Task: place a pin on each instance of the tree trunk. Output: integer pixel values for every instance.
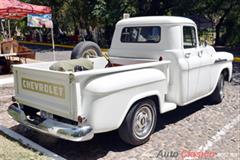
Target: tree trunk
(218, 40)
(108, 34)
(155, 7)
(220, 24)
(141, 7)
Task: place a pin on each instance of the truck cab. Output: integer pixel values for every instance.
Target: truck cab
(193, 74)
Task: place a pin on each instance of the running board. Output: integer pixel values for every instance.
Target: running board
(168, 107)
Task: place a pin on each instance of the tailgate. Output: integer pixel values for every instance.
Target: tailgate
(45, 90)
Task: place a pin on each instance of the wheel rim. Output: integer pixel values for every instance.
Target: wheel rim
(89, 53)
(221, 88)
(143, 122)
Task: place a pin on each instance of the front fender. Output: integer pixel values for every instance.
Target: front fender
(223, 60)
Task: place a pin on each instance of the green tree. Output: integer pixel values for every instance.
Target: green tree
(72, 15)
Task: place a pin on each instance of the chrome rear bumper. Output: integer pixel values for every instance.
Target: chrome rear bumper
(53, 127)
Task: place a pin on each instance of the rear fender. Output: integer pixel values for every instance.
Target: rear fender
(111, 97)
(123, 80)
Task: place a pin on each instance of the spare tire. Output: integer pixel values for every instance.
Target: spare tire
(86, 49)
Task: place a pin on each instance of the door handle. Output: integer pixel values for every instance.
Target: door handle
(187, 55)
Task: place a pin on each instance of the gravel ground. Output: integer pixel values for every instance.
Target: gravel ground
(185, 129)
(191, 128)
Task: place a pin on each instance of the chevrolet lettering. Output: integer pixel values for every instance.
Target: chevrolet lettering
(43, 87)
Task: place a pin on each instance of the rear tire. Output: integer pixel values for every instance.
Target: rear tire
(218, 94)
(86, 49)
(139, 123)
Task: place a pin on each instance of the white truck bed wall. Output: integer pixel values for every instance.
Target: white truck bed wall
(60, 93)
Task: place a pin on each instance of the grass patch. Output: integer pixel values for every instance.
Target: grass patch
(13, 150)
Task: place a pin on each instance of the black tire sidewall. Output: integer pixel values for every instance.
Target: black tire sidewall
(216, 96)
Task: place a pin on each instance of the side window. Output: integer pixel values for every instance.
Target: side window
(149, 34)
(189, 37)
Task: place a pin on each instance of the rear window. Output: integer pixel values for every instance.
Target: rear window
(189, 37)
(148, 34)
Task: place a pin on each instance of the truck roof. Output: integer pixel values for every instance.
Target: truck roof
(155, 20)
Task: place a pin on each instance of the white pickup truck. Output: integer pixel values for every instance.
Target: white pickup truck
(154, 65)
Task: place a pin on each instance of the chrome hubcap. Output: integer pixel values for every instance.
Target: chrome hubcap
(89, 53)
(143, 122)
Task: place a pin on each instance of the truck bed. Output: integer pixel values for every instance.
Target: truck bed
(60, 92)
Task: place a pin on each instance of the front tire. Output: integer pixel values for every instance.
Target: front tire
(139, 123)
(218, 94)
